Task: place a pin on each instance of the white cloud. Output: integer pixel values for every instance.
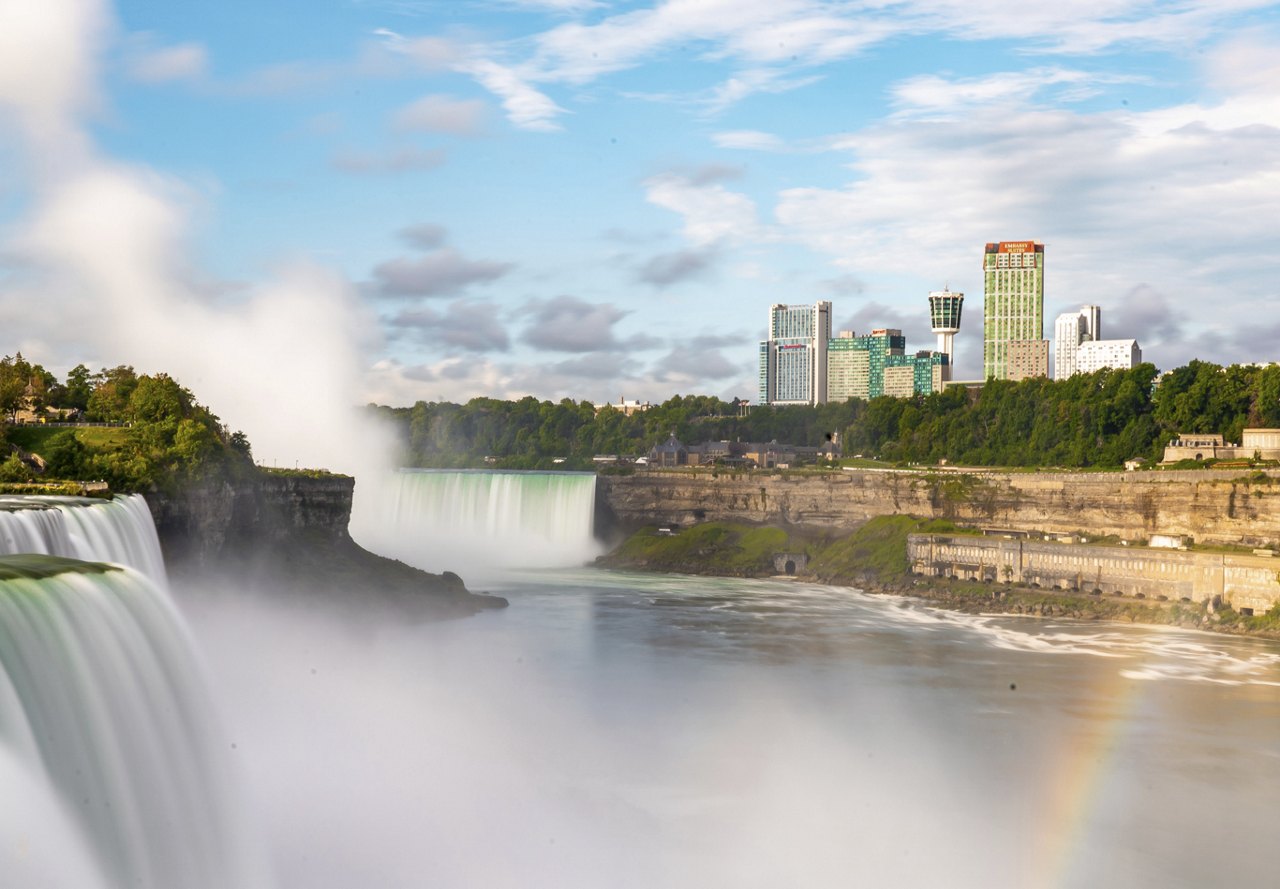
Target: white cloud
(712, 213)
(405, 159)
(526, 107)
(184, 61)
(932, 93)
(749, 83)
(748, 140)
(773, 43)
(1079, 28)
(442, 114)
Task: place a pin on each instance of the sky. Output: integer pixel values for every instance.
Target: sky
(301, 203)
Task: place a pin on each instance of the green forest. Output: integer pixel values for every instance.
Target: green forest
(1094, 420)
(151, 431)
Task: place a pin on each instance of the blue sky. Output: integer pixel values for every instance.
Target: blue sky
(396, 200)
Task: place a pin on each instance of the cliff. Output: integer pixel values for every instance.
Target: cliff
(1211, 507)
(288, 533)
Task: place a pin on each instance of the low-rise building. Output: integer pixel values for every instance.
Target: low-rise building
(1255, 444)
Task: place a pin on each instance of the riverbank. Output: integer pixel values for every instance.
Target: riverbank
(874, 559)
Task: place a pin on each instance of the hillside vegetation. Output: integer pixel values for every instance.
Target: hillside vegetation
(159, 435)
(1090, 420)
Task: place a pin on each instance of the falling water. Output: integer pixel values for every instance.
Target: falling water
(112, 768)
(467, 520)
(119, 531)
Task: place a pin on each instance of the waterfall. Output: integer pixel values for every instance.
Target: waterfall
(119, 531)
(469, 521)
(112, 768)
(106, 731)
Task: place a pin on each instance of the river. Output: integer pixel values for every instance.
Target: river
(627, 730)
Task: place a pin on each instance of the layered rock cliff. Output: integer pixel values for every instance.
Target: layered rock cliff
(1213, 507)
(288, 533)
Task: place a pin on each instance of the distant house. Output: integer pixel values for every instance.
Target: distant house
(30, 411)
(669, 453)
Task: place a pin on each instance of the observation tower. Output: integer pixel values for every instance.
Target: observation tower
(944, 312)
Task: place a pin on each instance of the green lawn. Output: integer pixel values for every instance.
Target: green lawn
(95, 438)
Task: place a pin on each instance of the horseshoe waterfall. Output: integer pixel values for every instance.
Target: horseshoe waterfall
(112, 768)
(431, 517)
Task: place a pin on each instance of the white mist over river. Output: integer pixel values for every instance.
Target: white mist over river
(656, 731)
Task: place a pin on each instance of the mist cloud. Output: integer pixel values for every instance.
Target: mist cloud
(103, 251)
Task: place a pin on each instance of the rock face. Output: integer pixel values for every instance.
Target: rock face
(1214, 507)
(205, 525)
(289, 533)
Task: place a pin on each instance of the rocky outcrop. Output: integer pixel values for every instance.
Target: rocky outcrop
(1213, 507)
(288, 533)
(206, 524)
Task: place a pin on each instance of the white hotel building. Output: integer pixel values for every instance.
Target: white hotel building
(1123, 354)
(1078, 346)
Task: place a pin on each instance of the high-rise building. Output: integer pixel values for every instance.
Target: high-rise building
(1119, 354)
(944, 315)
(856, 364)
(877, 364)
(793, 361)
(1012, 303)
(1092, 316)
(1069, 331)
(1068, 334)
(1078, 346)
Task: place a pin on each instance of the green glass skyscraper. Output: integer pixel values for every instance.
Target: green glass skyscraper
(1012, 301)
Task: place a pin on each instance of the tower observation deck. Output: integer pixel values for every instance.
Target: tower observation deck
(944, 313)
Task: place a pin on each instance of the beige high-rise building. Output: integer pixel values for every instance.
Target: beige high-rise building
(1012, 302)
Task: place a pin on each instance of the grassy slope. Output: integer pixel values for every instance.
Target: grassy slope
(711, 548)
(95, 438)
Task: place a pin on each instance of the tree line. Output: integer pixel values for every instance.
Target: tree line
(164, 435)
(1088, 420)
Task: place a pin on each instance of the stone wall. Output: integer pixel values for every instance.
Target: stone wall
(1244, 581)
(1216, 507)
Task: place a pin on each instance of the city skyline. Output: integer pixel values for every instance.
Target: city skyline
(393, 201)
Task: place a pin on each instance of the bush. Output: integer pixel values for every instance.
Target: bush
(14, 470)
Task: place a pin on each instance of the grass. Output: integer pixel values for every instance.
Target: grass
(300, 473)
(712, 548)
(95, 438)
(877, 548)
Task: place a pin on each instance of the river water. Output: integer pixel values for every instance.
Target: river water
(622, 730)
